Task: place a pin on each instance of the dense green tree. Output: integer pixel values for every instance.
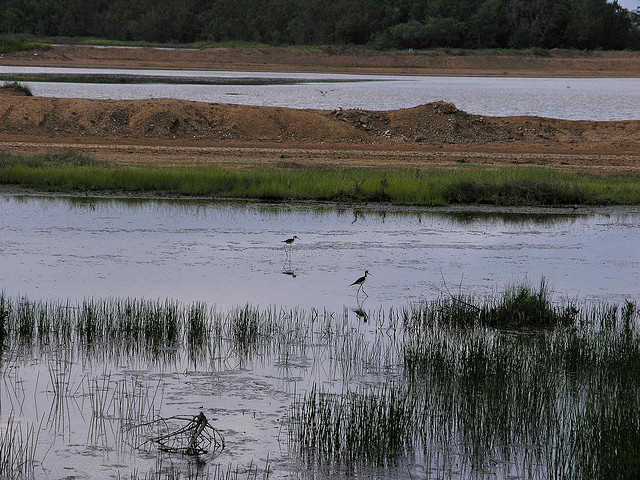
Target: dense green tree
(588, 24)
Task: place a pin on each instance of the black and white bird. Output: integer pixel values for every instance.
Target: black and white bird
(360, 282)
(289, 241)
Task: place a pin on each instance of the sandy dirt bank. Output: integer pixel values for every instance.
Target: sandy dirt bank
(177, 132)
(344, 60)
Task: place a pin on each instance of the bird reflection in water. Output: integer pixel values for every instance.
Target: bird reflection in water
(287, 267)
(360, 312)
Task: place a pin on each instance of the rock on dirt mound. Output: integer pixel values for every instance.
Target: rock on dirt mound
(438, 122)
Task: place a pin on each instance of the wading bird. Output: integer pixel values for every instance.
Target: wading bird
(360, 283)
(289, 241)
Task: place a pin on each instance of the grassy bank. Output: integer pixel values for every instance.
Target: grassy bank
(71, 172)
(8, 45)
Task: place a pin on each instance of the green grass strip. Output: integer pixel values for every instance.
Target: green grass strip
(8, 45)
(71, 172)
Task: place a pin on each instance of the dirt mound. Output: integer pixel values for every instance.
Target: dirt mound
(434, 123)
(168, 119)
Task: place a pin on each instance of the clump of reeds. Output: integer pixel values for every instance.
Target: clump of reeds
(376, 425)
(245, 328)
(17, 450)
(198, 334)
(518, 307)
(566, 392)
(4, 314)
(554, 402)
(522, 306)
(157, 330)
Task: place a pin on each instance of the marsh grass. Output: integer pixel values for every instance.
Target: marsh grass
(519, 307)
(4, 314)
(514, 385)
(522, 306)
(154, 330)
(566, 394)
(555, 402)
(511, 385)
(509, 186)
(373, 426)
(18, 444)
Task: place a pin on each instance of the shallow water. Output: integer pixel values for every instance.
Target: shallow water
(568, 98)
(230, 254)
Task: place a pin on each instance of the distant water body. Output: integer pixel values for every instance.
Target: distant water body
(567, 98)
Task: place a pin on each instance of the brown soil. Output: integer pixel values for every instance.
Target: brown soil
(429, 62)
(434, 123)
(163, 132)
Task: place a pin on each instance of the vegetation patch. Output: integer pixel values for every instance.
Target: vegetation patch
(523, 306)
(559, 402)
(8, 45)
(72, 172)
(518, 307)
(372, 426)
(16, 88)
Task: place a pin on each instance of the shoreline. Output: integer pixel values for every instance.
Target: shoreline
(499, 63)
(9, 190)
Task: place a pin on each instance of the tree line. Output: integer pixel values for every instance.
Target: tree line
(583, 24)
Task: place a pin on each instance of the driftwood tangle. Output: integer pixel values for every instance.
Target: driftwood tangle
(197, 437)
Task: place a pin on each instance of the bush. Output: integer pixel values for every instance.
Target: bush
(17, 88)
(8, 45)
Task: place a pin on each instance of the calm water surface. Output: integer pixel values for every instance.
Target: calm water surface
(568, 98)
(230, 254)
